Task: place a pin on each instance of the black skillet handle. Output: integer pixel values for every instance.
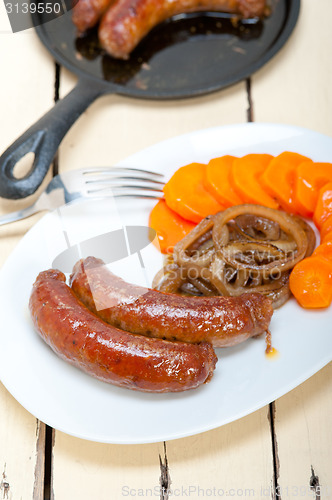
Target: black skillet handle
(43, 139)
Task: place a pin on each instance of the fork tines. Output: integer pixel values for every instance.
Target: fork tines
(103, 180)
(121, 170)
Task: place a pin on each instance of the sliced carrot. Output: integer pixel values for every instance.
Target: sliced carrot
(326, 227)
(245, 178)
(324, 250)
(187, 196)
(169, 226)
(311, 282)
(327, 238)
(217, 181)
(311, 177)
(324, 205)
(279, 178)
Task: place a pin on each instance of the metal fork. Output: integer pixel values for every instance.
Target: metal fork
(92, 183)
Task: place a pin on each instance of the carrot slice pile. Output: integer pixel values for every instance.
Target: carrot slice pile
(324, 205)
(310, 178)
(217, 181)
(187, 196)
(245, 177)
(326, 228)
(279, 178)
(311, 282)
(169, 226)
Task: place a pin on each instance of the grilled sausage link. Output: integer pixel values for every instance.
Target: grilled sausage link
(223, 321)
(86, 13)
(126, 22)
(110, 354)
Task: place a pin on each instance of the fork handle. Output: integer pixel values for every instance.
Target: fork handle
(20, 214)
(43, 139)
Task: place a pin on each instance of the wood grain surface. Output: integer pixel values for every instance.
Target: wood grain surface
(27, 90)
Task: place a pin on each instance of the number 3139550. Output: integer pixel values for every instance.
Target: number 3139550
(32, 8)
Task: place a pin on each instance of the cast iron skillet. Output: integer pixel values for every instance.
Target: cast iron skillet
(188, 56)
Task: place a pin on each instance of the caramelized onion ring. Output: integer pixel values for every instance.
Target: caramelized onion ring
(203, 286)
(258, 228)
(311, 238)
(287, 224)
(252, 256)
(276, 289)
(170, 278)
(187, 254)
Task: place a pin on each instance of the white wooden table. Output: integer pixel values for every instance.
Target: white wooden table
(283, 450)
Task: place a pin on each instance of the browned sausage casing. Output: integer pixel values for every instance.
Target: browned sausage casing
(223, 321)
(126, 22)
(86, 13)
(110, 354)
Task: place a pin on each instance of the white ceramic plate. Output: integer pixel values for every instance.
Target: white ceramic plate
(245, 379)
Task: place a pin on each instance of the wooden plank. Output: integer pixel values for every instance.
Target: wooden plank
(27, 92)
(83, 469)
(295, 86)
(234, 460)
(27, 88)
(304, 439)
(204, 465)
(21, 451)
